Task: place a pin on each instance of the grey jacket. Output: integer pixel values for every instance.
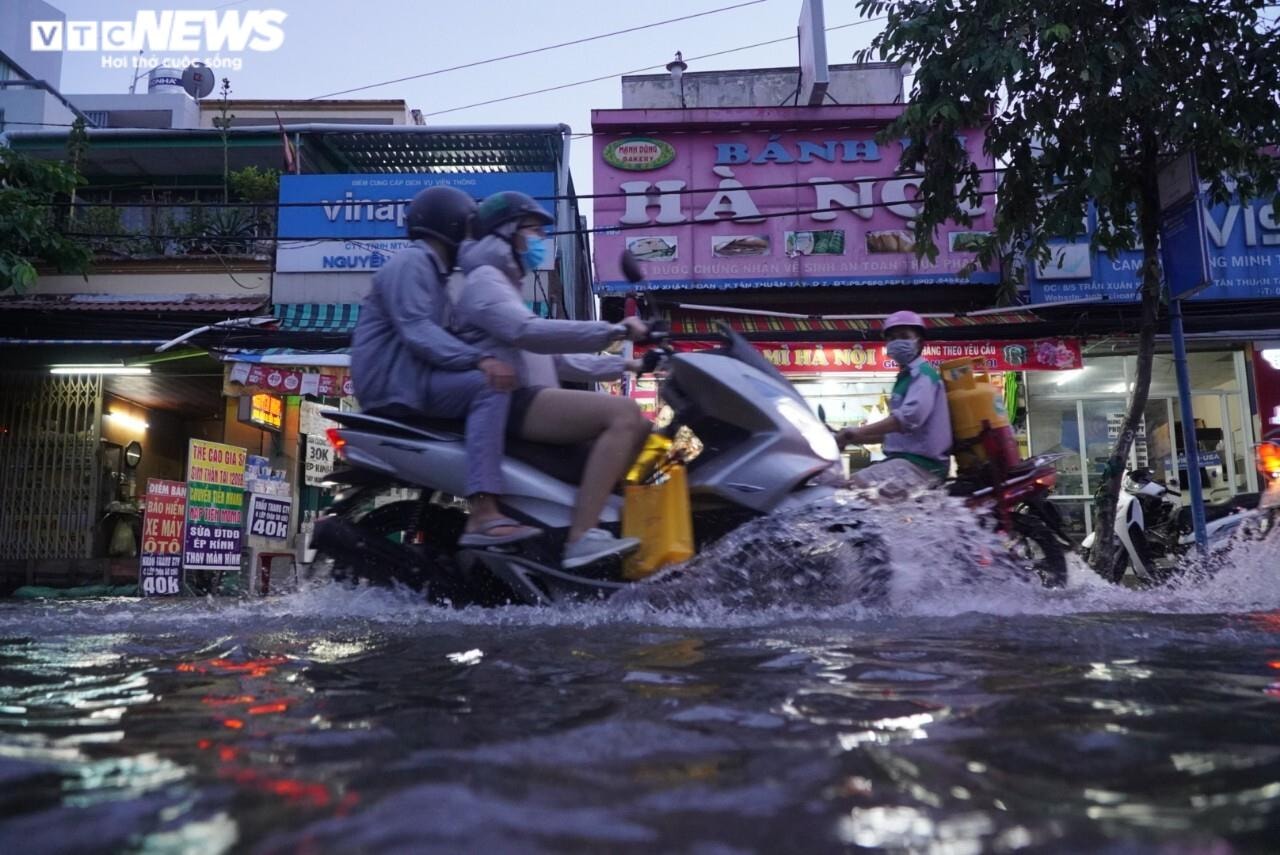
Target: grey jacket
(919, 402)
(401, 336)
(490, 314)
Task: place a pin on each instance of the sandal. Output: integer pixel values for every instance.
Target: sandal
(481, 538)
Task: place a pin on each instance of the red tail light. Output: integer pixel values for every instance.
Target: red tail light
(336, 441)
(1269, 459)
(1048, 481)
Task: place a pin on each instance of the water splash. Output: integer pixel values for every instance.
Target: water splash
(845, 558)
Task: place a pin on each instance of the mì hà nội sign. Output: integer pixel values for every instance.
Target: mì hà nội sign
(789, 357)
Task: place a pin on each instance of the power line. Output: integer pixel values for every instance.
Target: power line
(597, 230)
(639, 70)
(686, 191)
(538, 50)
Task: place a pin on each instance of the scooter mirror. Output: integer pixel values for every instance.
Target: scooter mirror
(631, 267)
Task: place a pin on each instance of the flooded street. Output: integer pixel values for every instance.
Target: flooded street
(340, 720)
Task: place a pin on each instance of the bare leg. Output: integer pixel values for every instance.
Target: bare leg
(569, 417)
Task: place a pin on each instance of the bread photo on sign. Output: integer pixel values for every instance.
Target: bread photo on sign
(729, 246)
(893, 240)
(653, 248)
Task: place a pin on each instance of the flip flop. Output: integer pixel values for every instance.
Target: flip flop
(480, 539)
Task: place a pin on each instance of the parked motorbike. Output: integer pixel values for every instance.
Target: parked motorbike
(762, 452)
(1156, 531)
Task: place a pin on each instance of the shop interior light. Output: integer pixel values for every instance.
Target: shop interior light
(1064, 377)
(127, 421)
(99, 368)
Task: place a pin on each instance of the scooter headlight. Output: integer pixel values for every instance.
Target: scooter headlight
(820, 440)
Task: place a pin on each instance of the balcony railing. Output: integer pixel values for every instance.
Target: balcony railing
(149, 230)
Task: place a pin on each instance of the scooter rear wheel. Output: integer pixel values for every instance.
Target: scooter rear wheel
(1036, 542)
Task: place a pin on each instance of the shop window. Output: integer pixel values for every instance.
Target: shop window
(1054, 426)
(1209, 371)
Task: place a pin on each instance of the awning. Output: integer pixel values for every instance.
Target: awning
(133, 303)
(318, 317)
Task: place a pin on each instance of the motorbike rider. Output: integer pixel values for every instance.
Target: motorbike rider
(491, 314)
(405, 362)
(916, 436)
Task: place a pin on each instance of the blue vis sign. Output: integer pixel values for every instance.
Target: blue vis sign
(1243, 243)
(354, 223)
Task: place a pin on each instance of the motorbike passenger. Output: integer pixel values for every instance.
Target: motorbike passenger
(405, 362)
(916, 436)
(492, 316)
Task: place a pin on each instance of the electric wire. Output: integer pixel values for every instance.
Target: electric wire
(80, 203)
(532, 51)
(639, 70)
(595, 230)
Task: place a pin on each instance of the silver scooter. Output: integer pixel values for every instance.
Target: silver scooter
(762, 451)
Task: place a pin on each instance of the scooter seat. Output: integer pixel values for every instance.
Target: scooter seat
(562, 462)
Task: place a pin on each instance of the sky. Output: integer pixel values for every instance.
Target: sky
(333, 45)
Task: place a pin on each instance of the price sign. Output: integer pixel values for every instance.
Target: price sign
(319, 460)
(269, 516)
(160, 563)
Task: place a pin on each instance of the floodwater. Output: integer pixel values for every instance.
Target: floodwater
(955, 711)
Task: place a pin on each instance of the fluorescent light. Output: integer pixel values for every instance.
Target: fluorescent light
(127, 421)
(1064, 377)
(98, 368)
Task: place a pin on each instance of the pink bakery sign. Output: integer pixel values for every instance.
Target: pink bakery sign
(767, 198)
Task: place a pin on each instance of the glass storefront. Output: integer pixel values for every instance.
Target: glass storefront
(1079, 413)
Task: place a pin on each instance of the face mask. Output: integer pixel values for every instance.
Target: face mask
(535, 254)
(901, 351)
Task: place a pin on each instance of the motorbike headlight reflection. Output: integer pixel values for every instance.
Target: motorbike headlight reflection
(820, 440)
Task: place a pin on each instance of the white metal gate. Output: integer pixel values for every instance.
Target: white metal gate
(49, 464)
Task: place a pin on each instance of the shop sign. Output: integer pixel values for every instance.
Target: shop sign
(269, 516)
(1047, 354)
(638, 154)
(310, 420)
(215, 505)
(262, 410)
(288, 380)
(372, 207)
(163, 515)
(319, 462)
(1243, 243)
(767, 209)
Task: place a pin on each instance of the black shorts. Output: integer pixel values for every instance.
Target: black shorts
(521, 400)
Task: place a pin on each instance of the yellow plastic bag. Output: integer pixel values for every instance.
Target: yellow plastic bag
(659, 515)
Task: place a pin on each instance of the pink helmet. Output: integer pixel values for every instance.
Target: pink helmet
(904, 318)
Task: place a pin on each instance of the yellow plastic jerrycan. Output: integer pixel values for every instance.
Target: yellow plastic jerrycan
(659, 515)
(980, 428)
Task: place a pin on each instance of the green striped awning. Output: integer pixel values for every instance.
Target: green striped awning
(318, 317)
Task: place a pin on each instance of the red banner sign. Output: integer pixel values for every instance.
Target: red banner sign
(288, 380)
(163, 521)
(1047, 354)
